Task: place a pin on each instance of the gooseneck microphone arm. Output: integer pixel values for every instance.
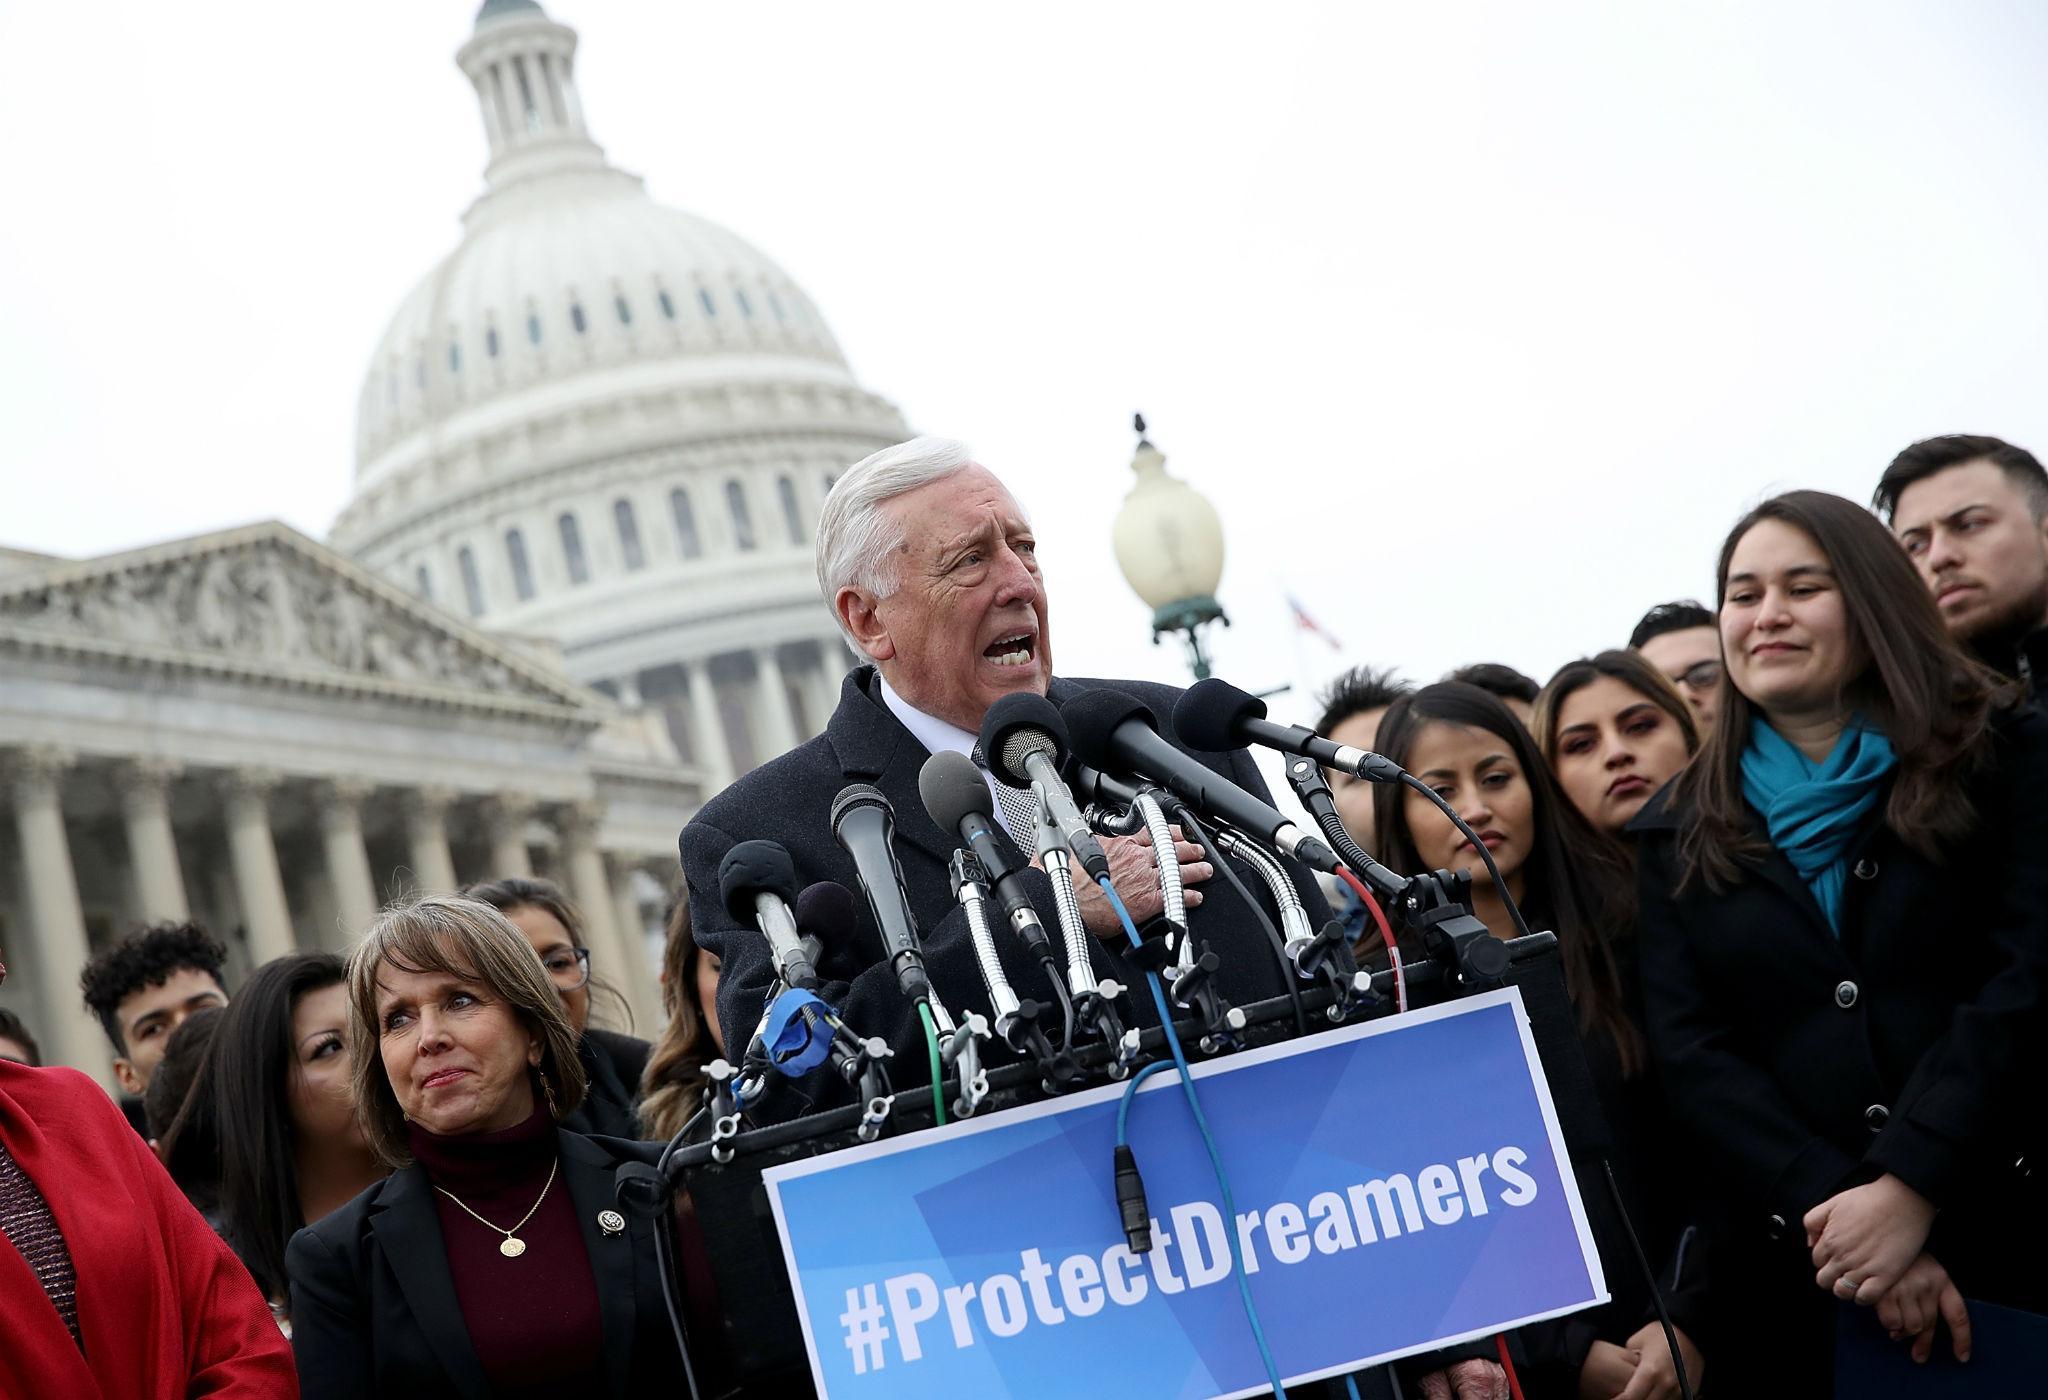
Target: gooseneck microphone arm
(1094, 1000)
(1016, 1017)
(1305, 776)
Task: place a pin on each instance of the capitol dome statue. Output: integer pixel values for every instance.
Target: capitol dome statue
(609, 425)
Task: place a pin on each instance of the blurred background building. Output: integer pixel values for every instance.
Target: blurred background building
(571, 596)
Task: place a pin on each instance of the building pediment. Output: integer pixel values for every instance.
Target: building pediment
(270, 605)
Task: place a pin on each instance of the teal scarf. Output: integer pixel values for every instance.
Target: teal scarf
(1812, 811)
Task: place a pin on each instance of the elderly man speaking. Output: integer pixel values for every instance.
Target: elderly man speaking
(931, 569)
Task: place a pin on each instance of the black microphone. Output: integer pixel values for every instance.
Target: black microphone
(1213, 715)
(826, 917)
(1111, 730)
(1025, 740)
(757, 881)
(957, 797)
(865, 824)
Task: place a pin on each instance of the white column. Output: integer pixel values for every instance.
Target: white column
(629, 690)
(624, 964)
(426, 834)
(340, 802)
(778, 725)
(144, 785)
(707, 730)
(626, 909)
(56, 950)
(259, 887)
(505, 819)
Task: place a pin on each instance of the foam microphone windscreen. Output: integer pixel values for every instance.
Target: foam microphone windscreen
(1093, 715)
(1208, 712)
(751, 868)
(1015, 724)
(827, 912)
(952, 787)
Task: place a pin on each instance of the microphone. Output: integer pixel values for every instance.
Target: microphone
(1026, 743)
(826, 917)
(757, 881)
(1213, 715)
(864, 823)
(1111, 730)
(958, 799)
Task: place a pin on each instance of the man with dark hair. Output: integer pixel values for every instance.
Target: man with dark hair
(1515, 690)
(1972, 513)
(1352, 709)
(1683, 640)
(16, 1043)
(144, 987)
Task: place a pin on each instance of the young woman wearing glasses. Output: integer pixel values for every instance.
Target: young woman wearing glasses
(613, 1062)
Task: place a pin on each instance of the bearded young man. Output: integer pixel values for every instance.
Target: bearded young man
(1972, 513)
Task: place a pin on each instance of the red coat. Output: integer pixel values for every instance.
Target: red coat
(165, 1309)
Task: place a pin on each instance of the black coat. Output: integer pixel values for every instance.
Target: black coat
(789, 801)
(374, 1311)
(1803, 1063)
(613, 1064)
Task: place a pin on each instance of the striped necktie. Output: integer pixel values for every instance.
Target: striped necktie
(1019, 808)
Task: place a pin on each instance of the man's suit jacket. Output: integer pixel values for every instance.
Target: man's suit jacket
(374, 1309)
(789, 801)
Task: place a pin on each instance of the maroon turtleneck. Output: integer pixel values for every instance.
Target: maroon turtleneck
(534, 1321)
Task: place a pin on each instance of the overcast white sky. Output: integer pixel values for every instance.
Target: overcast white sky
(1478, 323)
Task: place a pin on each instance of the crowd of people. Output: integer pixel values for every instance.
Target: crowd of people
(1786, 843)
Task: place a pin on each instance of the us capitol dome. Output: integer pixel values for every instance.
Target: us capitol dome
(609, 425)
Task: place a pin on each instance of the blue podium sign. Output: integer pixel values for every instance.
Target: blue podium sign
(1398, 1185)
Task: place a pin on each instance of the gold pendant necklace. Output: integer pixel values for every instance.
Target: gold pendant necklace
(511, 1246)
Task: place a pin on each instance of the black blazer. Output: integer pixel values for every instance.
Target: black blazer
(374, 1311)
(789, 800)
(1803, 1063)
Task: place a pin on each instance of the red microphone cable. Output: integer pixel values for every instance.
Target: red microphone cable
(1379, 916)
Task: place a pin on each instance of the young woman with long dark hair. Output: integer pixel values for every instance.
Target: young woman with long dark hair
(291, 1150)
(1570, 878)
(1845, 936)
(1615, 731)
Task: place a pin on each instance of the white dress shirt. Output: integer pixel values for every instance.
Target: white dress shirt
(937, 735)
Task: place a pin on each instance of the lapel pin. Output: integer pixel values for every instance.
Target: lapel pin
(611, 1222)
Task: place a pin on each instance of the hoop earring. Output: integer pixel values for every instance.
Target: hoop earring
(548, 1092)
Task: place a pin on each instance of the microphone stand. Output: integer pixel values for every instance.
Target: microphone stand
(1193, 966)
(960, 1048)
(1017, 1018)
(1323, 956)
(1094, 999)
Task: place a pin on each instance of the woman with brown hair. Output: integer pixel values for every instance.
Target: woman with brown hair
(494, 1259)
(1567, 877)
(672, 1089)
(1614, 731)
(613, 1062)
(1845, 941)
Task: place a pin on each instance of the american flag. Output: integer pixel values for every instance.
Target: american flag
(1305, 623)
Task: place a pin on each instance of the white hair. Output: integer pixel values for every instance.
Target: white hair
(856, 537)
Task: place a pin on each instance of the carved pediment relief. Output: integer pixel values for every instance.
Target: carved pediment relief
(272, 600)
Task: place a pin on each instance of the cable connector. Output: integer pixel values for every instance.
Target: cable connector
(1130, 1201)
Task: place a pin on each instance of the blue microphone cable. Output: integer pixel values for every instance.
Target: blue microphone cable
(1187, 1084)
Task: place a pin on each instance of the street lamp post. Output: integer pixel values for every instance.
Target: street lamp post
(1169, 544)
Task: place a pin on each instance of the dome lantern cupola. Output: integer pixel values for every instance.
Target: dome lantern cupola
(522, 65)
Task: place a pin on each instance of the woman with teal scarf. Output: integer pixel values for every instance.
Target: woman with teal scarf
(1845, 948)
